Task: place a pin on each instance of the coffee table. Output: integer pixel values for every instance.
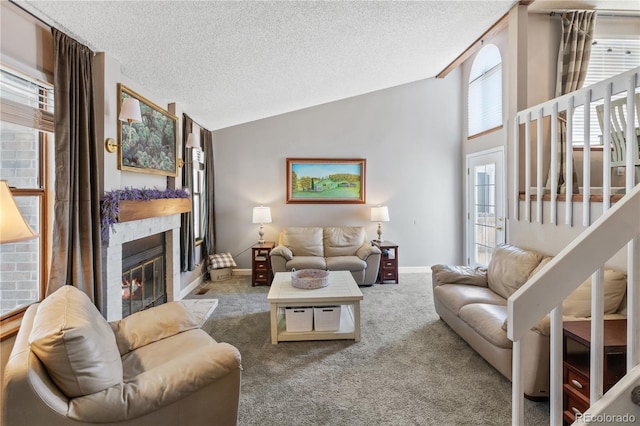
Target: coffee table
(342, 290)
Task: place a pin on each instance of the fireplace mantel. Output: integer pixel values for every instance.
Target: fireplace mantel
(140, 209)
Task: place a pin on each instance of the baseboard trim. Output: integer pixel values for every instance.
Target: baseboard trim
(414, 269)
(401, 269)
(192, 286)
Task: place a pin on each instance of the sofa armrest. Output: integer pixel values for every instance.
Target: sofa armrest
(151, 325)
(158, 387)
(367, 250)
(282, 251)
(448, 274)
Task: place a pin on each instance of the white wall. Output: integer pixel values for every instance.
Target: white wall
(410, 136)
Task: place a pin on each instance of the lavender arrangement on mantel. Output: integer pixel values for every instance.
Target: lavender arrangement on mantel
(110, 208)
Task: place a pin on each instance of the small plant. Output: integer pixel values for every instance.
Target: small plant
(110, 208)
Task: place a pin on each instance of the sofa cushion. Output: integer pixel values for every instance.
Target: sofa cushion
(343, 240)
(578, 303)
(283, 251)
(306, 262)
(151, 325)
(75, 343)
(509, 268)
(487, 320)
(447, 274)
(455, 296)
(345, 263)
(303, 241)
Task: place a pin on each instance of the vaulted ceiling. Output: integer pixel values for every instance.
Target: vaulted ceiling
(230, 62)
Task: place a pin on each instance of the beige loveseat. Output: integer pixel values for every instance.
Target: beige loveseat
(156, 367)
(334, 248)
(473, 302)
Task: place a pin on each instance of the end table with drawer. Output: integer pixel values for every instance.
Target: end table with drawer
(261, 263)
(388, 261)
(576, 371)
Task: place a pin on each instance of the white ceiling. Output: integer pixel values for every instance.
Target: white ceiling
(228, 63)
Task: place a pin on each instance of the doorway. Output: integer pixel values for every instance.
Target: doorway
(485, 226)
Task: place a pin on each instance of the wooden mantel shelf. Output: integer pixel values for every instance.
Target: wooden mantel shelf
(139, 209)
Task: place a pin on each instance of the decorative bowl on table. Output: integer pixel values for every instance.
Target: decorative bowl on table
(309, 278)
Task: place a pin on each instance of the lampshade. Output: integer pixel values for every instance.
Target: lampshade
(13, 227)
(130, 111)
(261, 214)
(191, 140)
(379, 214)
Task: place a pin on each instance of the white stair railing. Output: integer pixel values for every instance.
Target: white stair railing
(627, 84)
(585, 256)
(544, 293)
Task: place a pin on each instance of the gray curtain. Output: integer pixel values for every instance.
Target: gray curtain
(573, 61)
(76, 233)
(209, 216)
(187, 235)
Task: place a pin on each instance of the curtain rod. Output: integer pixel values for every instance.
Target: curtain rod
(31, 14)
(599, 13)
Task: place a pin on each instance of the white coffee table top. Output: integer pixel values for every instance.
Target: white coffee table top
(342, 288)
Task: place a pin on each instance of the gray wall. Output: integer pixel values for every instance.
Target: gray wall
(410, 136)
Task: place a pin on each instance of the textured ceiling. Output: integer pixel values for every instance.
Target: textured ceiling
(228, 63)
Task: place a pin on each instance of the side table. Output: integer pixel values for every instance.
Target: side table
(388, 261)
(575, 368)
(261, 264)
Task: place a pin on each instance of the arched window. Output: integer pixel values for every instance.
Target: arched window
(485, 91)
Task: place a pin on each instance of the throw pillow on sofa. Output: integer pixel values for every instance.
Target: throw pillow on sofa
(452, 274)
(578, 303)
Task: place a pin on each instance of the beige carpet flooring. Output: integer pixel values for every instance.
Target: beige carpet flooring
(409, 368)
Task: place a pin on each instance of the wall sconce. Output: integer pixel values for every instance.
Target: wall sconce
(261, 215)
(13, 227)
(190, 145)
(129, 112)
(379, 214)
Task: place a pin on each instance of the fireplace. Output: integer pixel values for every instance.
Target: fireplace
(119, 257)
(143, 274)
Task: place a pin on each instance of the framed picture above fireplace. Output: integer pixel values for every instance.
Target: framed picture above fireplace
(326, 180)
(149, 146)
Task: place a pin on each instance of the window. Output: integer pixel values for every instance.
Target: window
(198, 194)
(26, 132)
(485, 91)
(609, 57)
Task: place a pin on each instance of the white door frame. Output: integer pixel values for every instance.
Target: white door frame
(501, 200)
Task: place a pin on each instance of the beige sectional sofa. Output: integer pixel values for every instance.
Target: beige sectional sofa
(333, 248)
(473, 302)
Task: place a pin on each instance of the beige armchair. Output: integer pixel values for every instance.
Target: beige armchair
(69, 367)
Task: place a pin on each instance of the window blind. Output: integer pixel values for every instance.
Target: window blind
(609, 57)
(26, 102)
(485, 101)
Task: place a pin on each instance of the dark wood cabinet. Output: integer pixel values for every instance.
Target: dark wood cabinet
(388, 270)
(261, 264)
(576, 347)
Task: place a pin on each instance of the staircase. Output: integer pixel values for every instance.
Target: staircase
(618, 227)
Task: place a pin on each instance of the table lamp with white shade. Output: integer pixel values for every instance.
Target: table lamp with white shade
(261, 215)
(379, 214)
(13, 227)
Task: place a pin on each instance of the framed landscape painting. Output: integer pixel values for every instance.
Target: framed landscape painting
(326, 180)
(150, 146)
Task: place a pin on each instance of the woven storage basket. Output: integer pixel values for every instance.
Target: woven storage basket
(309, 278)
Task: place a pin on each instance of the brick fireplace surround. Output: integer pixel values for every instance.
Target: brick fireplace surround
(112, 257)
